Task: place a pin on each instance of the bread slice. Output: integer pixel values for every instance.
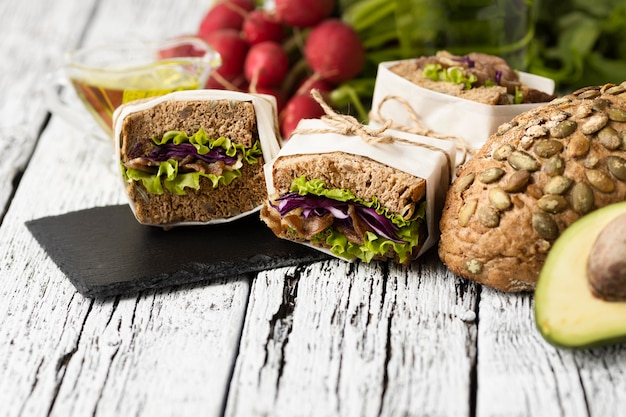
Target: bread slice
(541, 172)
(495, 82)
(398, 192)
(232, 119)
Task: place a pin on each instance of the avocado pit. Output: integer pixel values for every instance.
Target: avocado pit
(606, 267)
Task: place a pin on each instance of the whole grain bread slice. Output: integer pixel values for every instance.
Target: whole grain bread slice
(396, 190)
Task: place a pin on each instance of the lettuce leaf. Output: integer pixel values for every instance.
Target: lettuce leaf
(454, 75)
(374, 245)
(167, 177)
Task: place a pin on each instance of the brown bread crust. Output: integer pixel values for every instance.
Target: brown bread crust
(498, 231)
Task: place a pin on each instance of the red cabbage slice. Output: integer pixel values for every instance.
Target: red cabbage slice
(169, 150)
(312, 205)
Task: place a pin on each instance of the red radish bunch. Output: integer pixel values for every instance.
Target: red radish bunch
(285, 52)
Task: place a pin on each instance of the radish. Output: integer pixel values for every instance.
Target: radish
(313, 82)
(260, 26)
(334, 51)
(233, 50)
(273, 91)
(182, 50)
(301, 106)
(303, 13)
(227, 14)
(266, 64)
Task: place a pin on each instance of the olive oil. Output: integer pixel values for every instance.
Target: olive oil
(102, 94)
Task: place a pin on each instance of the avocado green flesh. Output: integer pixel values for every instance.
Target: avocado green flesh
(566, 312)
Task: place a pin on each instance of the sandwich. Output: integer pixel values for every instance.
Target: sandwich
(195, 157)
(541, 172)
(355, 200)
(479, 77)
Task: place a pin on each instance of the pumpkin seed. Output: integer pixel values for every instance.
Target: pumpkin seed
(499, 198)
(589, 94)
(546, 148)
(474, 266)
(609, 138)
(523, 160)
(554, 166)
(517, 181)
(552, 203)
(557, 185)
(563, 129)
(464, 182)
(536, 131)
(600, 104)
(534, 191)
(488, 216)
(591, 161)
(491, 175)
(599, 180)
(585, 89)
(615, 90)
(466, 212)
(582, 198)
(505, 127)
(503, 152)
(582, 111)
(616, 114)
(594, 123)
(617, 167)
(559, 117)
(560, 100)
(578, 146)
(545, 226)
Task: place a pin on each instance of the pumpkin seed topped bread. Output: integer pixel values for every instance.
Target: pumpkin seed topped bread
(531, 180)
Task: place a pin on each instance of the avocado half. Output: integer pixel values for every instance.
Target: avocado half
(567, 314)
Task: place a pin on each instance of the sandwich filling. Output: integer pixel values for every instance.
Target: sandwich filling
(347, 225)
(176, 161)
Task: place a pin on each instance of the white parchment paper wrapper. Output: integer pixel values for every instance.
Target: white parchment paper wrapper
(445, 114)
(266, 118)
(428, 164)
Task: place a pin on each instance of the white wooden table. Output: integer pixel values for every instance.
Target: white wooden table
(327, 339)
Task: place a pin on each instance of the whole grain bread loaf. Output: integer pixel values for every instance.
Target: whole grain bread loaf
(399, 192)
(232, 119)
(529, 182)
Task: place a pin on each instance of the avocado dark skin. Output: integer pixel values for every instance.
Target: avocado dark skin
(568, 312)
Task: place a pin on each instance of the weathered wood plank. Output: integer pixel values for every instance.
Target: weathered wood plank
(520, 374)
(166, 352)
(336, 338)
(33, 38)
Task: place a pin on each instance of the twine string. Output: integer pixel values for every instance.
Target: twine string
(348, 125)
(417, 127)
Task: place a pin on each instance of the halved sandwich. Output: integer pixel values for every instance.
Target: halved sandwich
(346, 197)
(196, 157)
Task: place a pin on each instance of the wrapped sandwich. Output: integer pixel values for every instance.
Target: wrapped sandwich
(196, 157)
(358, 199)
(466, 97)
(541, 172)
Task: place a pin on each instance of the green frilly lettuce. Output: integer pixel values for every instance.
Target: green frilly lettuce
(452, 74)
(169, 178)
(373, 245)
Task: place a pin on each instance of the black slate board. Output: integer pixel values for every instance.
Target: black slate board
(105, 252)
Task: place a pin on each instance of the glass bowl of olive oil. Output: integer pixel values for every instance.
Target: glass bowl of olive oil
(103, 77)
